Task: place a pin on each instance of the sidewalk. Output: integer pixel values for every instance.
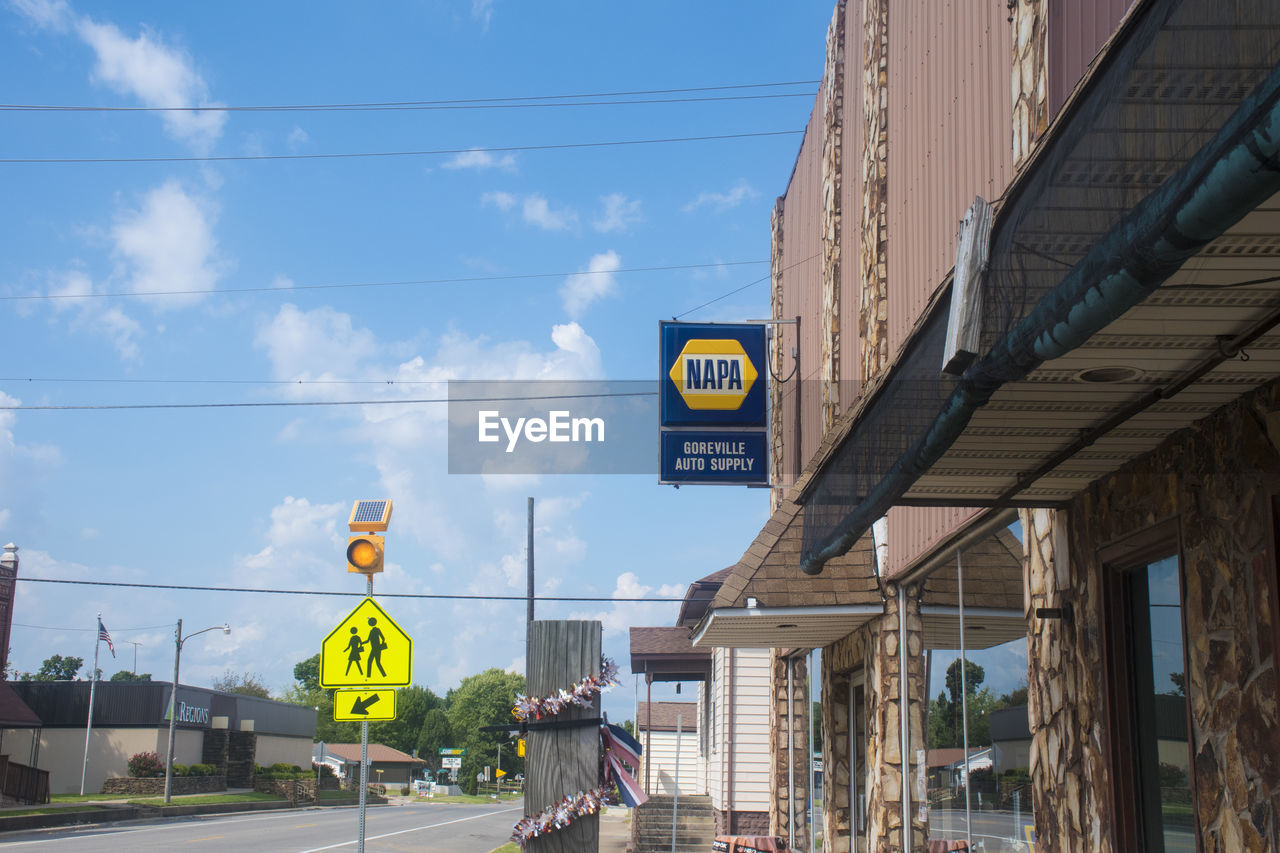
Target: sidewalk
(615, 829)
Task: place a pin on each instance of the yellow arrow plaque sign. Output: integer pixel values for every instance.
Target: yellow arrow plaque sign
(364, 705)
(367, 649)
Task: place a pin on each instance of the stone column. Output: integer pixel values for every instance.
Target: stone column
(1065, 696)
(884, 750)
(783, 735)
(778, 357)
(873, 311)
(1030, 76)
(832, 177)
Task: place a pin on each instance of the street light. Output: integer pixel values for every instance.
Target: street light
(173, 700)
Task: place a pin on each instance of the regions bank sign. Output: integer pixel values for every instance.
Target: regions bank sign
(712, 403)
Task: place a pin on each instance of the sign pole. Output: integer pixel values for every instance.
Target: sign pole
(364, 752)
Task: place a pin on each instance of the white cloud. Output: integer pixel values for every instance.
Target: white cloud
(479, 159)
(94, 315)
(625, 614)
(297, 138)
(482, 11)
(720, 202)
(597, 281)
(500, 200)
(619, 213)
(538, 211)
(316, 344)
(51, 14)
(169, 246)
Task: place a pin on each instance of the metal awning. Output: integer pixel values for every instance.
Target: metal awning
(782, 627)
(1134, 340)
(984, 627)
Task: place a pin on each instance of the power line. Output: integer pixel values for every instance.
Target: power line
(404, 283)
(119, 631)
(740, 289)
(416, 595)
(227, 158)
(269, 404)
(434, 104)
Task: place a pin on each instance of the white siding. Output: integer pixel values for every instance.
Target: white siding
(749, 715)
(663, 778)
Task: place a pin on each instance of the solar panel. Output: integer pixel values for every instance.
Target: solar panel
(370, 516)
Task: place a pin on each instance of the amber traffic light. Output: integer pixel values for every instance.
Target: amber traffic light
(364, 554)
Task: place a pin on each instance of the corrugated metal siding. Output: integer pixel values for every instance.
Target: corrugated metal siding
(802, 287)
(1077, 31)
(950, 137)
(851, 206)
(913, 530)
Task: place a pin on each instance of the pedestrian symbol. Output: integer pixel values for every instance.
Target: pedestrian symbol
(367, 649)
(364, 704)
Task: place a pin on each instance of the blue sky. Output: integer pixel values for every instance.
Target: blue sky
(258, 497)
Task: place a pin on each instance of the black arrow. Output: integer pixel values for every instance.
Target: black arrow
(361, 706)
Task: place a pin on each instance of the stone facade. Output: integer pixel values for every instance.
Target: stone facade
(242, 747)
(840, 661)
(1030, 76)
(789, 733)
(129, 786)
(778, 355)
(1217, 482)
(832, 178)
(294, 790)
(873, 311)
(741, 823)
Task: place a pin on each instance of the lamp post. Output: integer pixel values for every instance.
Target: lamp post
(173, 700)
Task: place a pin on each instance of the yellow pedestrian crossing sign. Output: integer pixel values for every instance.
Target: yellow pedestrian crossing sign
(367, 649)
(364, 705)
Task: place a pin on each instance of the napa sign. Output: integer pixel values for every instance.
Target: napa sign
(712, 404)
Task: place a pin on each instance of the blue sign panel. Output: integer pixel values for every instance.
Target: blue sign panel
(715, 457)
(712, 375)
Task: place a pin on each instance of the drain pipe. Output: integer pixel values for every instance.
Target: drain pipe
(1225, 180)
(791, 760)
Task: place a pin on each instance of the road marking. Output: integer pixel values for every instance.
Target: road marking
(412, 829)
(206, 838)
(304, 825)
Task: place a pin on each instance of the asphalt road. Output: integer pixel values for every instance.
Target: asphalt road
(427, 828)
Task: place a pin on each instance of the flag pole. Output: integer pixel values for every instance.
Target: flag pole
(93, 683)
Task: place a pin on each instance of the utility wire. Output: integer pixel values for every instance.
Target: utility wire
(406, 107)
(418, 595)
(341, 286)
(294, 403)
(385, 105)
(744, 287)
(226, 158)
(119, 631)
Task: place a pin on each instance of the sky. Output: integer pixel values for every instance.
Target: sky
(169, 269)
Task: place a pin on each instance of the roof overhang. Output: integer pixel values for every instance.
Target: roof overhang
(1134, 260)
(782, 627)
(984, 627)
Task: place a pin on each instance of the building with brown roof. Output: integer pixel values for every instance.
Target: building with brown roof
(1031, 463)
(387, 766)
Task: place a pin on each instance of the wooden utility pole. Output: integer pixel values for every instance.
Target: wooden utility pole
(563, 761)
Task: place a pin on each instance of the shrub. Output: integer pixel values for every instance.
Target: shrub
(404, 790)
(377, 788)
(181, 770)
(145, 765)
(202, 770)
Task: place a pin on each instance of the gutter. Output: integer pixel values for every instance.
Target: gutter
(1229, 177)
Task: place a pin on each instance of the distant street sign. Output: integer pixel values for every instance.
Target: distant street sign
(366, 649)
(364, 705)
(453, 762)
(453, 750)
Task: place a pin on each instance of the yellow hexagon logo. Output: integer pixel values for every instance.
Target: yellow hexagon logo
(713, 374)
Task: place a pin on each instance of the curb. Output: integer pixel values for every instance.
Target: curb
(120, 813)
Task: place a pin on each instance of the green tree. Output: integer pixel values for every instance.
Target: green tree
(57, 668)
(434, 734)
(945, 719)
(307, 673)
(246, 684)
(412, 705)
(485, 699)
(126, 675)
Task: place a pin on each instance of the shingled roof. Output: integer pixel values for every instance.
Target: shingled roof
(664, 653)
(664, 716)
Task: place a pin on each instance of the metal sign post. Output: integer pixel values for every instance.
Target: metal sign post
(364, 757)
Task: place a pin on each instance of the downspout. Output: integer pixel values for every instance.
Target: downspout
(1226, 179)
(728, 732)
(791, 760)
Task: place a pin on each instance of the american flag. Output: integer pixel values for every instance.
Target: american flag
(103, 635)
